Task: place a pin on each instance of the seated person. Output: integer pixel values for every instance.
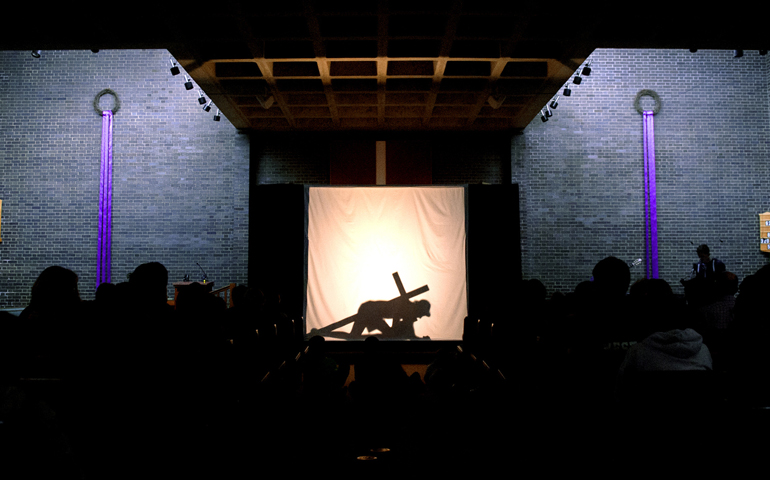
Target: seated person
(672, 345)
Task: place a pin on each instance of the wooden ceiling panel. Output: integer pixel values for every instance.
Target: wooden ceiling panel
(381, 65)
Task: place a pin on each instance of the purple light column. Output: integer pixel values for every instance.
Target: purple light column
(650, 196)
(104, 254)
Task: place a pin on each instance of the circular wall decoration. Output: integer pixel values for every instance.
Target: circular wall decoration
(98, 97)
(647, 93)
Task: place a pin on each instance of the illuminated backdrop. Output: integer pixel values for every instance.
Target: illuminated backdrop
(359, 236)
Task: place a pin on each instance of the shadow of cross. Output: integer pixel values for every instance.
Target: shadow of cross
(403, 296)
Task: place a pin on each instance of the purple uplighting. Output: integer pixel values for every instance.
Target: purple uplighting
(650, 197)
(104, 255)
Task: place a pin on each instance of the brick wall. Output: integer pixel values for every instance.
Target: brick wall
(581, 172)
(181, 189)
(180, 179)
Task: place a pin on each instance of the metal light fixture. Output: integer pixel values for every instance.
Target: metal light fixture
(217, 117)
(207, 107)
(174, 68)
(577, 79)
(555, 102)
(738, 54)
(201, 98)
(543, 116)
(548, 112)
(567, 92)
(188, 83)
(587, 69)
(763, 52)
(37, 53)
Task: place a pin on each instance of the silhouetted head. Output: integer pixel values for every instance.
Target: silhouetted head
(106, 293)
(371, 344)
(703, 252)
(750, 305)
(612, 276)
(422, 308)
(151, 281)
(56, 287)
(726, 283)
(239, 294)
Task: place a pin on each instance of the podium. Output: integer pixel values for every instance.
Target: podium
(178, 286)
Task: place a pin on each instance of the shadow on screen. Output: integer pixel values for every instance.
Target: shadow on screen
(371, 317)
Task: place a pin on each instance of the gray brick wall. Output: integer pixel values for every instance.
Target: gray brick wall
(180, 179)
(581, 172)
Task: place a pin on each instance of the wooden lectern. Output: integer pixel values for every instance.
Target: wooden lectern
(208, 286)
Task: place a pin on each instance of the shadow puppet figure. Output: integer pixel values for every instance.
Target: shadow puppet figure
(371, 316)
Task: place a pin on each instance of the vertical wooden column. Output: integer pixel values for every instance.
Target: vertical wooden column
(381, 162)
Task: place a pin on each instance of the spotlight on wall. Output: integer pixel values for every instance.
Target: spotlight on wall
(567, 92)
(555, 102)
(201, 98)
(37, 53)
(763, 52)
(543, 116)
(496, 101)
(587, 69)
(693, 50)
(217, 117)
(95, 50)
(207, 107)
(188, 83)
(738, 54)
(266, 101)
(548, 112)
(174, 68)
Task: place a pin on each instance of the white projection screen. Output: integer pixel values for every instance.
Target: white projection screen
(363, 241)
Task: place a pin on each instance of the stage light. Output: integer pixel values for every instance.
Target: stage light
(738, 54)
(201, 98)
(548, 112)
(543, 116)
(555, 102)
(266, 101)
(567, 91)
(577, 79)
(36, 53)
(217, 117)
(587, 69)
(188, 83)
(207, 107)
(174, 68)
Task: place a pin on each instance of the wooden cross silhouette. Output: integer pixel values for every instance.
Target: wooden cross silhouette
(403, 295)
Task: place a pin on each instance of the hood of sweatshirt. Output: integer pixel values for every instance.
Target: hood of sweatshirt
(676, 343)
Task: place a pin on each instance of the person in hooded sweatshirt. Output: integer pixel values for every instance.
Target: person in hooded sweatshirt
(670, 346)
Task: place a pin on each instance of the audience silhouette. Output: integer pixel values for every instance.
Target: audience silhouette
(138, 380)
